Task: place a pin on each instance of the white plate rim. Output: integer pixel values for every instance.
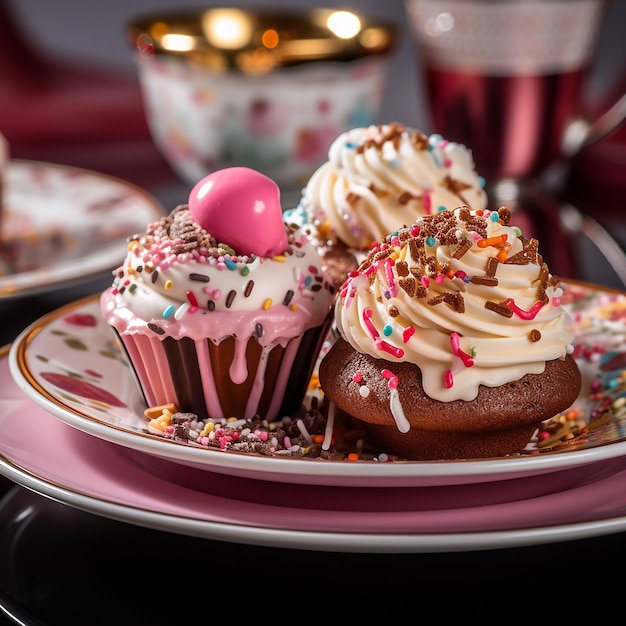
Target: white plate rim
(405, 473)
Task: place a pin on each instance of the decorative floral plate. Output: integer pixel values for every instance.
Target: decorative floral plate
(68, 363)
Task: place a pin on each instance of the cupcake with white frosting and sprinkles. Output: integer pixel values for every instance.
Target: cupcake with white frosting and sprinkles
(378, 178)
(222, 307)
(453, 341)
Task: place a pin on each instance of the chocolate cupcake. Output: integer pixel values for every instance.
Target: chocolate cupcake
(453, 343)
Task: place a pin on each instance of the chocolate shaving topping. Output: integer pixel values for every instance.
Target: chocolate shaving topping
(379, 193)
(463, 247)
(352, 198)
(402, 267)
(488, 281)
(500, 309)
(382, 254)
(419, 140)
(492, 266)
(435, 300)
(405, 198)
(409, 285)
(182, 418)
(452, 298)
(527, 255)
(393, 134)
(504, 213)
(455, 186)
(544, 275)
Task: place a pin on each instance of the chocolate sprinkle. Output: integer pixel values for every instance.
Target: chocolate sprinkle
(155, 328)
(210, 305)
(288, 297)
(154, 276)
(229, 299)
(249, 287)
(258, 330)
(201, 278)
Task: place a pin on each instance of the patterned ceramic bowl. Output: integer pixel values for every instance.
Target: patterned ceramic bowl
(264, 89)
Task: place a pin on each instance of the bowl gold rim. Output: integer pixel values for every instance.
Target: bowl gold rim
(298, 37)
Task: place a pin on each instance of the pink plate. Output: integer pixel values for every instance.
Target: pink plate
(46, 455)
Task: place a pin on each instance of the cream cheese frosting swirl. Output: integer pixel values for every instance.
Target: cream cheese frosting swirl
(379, 177)
(461, 294)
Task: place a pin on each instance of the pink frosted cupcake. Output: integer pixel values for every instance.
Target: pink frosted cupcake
(222, 307)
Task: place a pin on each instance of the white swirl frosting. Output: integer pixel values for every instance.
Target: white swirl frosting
(177, 280)
(379, 178)
(463, 295)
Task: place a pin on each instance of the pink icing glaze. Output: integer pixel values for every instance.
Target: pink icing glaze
(240, 207)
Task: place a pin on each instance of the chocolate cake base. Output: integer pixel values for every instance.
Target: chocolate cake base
(339, 261)
(195, 376)
(499, 421)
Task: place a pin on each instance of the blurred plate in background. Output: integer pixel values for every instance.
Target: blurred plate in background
(63, 224)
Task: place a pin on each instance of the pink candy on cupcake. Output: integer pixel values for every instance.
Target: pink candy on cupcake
(222, 307)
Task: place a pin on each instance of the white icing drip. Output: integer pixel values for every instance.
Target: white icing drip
(304, 431)
(330, 424)
(398, 414)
